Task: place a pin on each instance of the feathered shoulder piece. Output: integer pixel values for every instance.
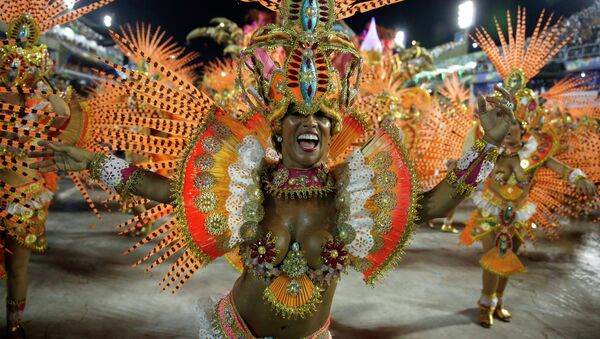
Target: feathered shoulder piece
(377, 203)
(554, 194)
(574, 97)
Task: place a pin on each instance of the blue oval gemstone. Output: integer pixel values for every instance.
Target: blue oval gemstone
(24, 32)
(308, 79)
(309, 15)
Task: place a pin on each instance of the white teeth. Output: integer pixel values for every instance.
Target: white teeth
(308, 137)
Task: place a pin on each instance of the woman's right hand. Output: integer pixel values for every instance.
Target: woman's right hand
(61, 157)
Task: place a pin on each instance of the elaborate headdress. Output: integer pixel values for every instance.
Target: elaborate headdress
(321, 69)
(22, 60)
(518, 61)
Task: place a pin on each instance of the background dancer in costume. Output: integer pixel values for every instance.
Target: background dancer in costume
(30, 111)
(531, 181)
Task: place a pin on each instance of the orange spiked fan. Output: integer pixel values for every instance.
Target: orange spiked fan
(454, 90)
(574, 95)
(516, 54)
(155, 44)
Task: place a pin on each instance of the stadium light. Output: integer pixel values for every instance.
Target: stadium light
(400, 39)
(70, 3)
(108, 20)
(466, 14)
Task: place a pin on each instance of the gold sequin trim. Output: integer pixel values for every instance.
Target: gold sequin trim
(206, 202)
(216, 224)
(204, 181)
(211, 145)
(204, 162)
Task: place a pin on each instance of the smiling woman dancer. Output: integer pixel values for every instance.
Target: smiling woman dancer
(280, 187)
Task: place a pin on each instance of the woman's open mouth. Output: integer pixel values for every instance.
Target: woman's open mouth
(308, 142)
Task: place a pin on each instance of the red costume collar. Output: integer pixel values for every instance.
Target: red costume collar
(291, 183)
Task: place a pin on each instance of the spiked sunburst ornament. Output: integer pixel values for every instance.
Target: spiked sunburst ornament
(322, 66)
(518, 61)
(22, 59)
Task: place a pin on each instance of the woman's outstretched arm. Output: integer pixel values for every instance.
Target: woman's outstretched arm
(112, 172)
(496, 116)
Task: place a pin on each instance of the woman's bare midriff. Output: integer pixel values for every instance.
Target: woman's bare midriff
(509, 165)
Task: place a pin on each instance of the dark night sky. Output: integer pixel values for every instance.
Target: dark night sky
(430, 21)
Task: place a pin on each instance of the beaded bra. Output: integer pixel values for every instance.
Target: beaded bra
(295, 288)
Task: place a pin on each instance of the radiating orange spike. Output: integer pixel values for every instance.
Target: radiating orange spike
(77, 181)
(170, 252)
(160, 165)
(14, 165)
(27, 91)
(543, 46)
(185, 266)
(72, 15)
(21, 146)
(170, 237)
(27, 133)
(167, 226)
(179, 262)
(14, 195)
(348, 8)
(193, 269)
(154, 213)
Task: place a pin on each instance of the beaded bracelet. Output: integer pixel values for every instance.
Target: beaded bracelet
(116, 174)
(576, 175)
(473, 168)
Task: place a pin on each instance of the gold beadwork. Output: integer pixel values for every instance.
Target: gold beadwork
(386, 201)
(378, 243)
(205, 181)
(206, 202)
(386, 180)
(95, 166)
(221, 131)
(383, 223)
(128, 189)
(204, 162)
(216, 224)
(381, 161)
(248, 231)
(280, 176)
(211, 145)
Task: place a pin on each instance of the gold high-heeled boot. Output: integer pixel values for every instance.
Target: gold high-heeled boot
(500, 312)
(486, 315)
(447, 228)
(14, 310)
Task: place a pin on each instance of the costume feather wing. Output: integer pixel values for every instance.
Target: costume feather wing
(379, 200)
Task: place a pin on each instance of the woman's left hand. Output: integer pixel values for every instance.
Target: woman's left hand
(496, 121)
(585, 186)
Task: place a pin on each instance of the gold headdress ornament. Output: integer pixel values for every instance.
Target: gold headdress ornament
(322, 66)
(22, 60)
(518, 61)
